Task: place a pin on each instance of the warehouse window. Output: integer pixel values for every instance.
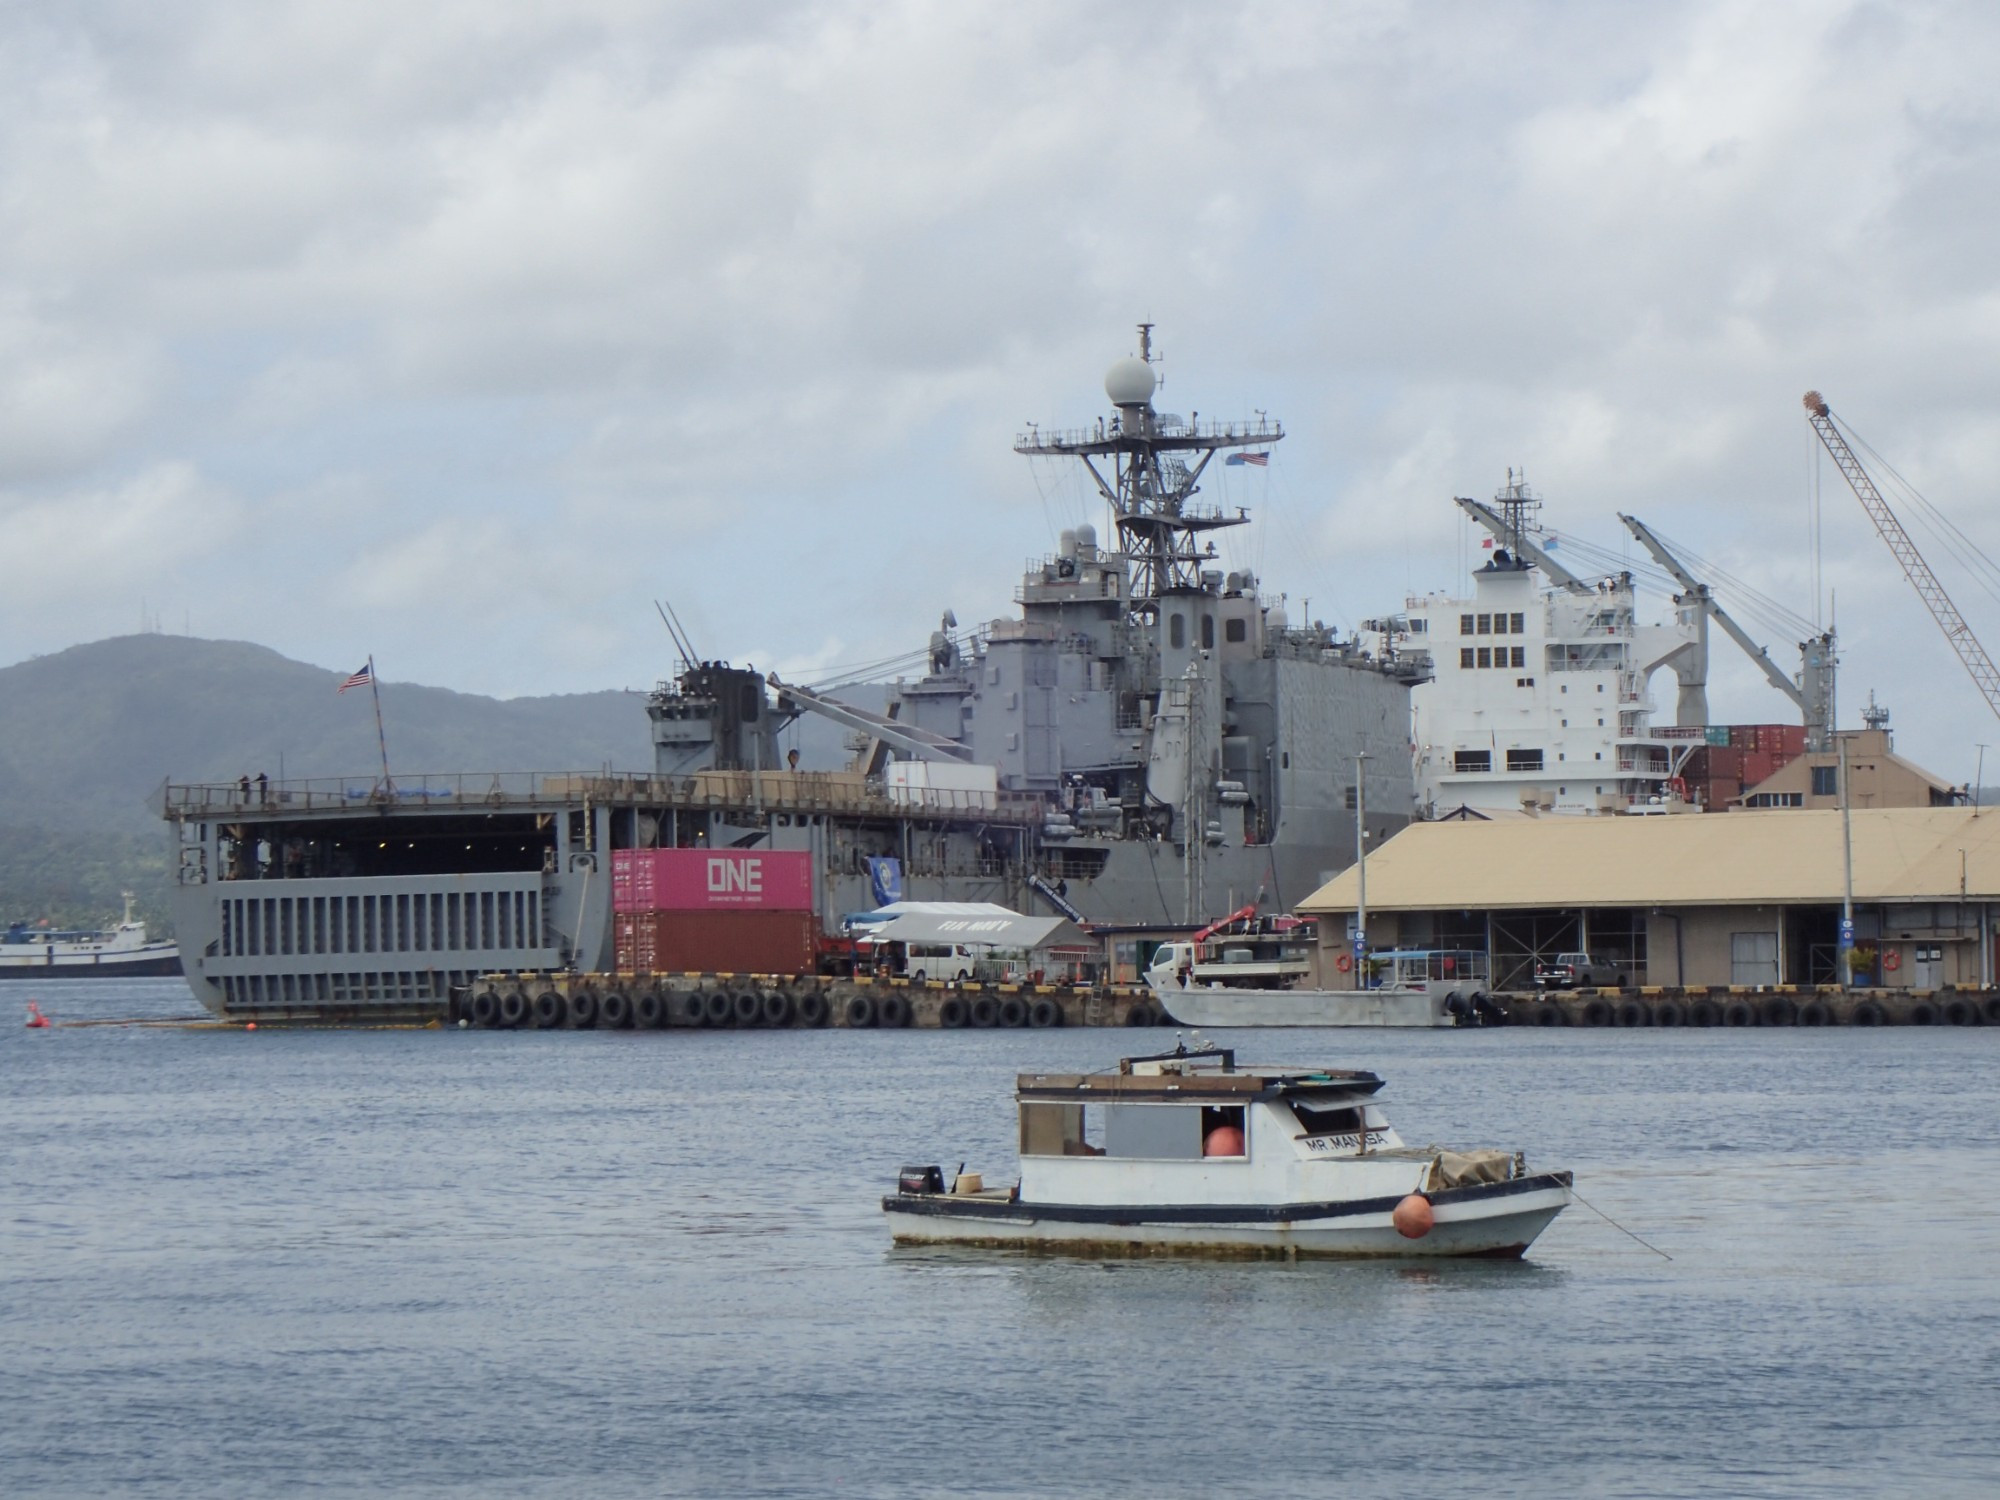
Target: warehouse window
(1520, 625)
(1826, 781)
(1486, 624)
(1465, 624)
(1465, 656)
(1520, 657)
(1485, 656)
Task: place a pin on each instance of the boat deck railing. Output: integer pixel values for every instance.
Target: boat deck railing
(772, 791)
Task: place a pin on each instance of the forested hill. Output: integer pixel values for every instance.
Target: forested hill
(88, 734)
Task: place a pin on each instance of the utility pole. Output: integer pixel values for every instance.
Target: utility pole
(1361, 871)
(1847, 874)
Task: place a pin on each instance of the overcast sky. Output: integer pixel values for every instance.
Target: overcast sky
(459, 332)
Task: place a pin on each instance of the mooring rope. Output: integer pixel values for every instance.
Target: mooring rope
(1615, 1224)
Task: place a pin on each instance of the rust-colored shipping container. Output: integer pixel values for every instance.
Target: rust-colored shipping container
(707, 942)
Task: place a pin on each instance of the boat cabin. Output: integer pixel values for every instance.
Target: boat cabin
(1191, 1126)
(1461, 969)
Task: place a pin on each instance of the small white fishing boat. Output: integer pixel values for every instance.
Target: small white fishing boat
(1187, 1152)
(1429, 987)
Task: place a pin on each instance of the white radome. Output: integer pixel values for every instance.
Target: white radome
(1130, 382)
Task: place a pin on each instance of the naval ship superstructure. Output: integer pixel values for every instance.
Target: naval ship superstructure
(1149, 742)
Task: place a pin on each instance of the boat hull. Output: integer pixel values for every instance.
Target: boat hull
(1222, 1007)
(1495, 1221)
(154, 959)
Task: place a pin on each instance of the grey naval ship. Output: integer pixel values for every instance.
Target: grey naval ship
(1148, 743)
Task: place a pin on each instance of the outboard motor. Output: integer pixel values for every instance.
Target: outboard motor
(920, 1180)
(1459, 1009)
(1487, 1011)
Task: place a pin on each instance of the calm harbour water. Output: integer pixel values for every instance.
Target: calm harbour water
(605, 1264)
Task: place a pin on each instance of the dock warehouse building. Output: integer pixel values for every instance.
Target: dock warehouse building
(1742, 898)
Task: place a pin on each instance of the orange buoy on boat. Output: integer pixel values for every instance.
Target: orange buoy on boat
(1413, 1217)
(1224, 1140)
(36, 1020)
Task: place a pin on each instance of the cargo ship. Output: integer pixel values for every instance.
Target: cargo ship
(1149, 740)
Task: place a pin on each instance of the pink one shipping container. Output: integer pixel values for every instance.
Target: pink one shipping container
(647, 880)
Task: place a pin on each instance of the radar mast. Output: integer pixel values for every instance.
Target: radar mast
(1148, 466)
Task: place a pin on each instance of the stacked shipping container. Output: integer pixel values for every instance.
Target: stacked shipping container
(712, 911)
(1736, 757)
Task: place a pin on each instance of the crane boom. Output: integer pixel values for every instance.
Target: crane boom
(1985, 676)
(1813, 697)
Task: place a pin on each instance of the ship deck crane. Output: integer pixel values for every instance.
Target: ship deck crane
(1985, 676)
(1813, 692)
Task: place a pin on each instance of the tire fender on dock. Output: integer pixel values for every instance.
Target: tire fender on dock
(859, 1012)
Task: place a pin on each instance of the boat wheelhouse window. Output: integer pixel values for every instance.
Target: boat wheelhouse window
(1524, 760)
(1054, 1130)
(1236, 631)
(1176, 630)
(1208, 632)
(1155, 1132)
(1342, 1119)
(1472, 760)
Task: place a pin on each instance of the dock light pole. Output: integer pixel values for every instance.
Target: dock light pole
(1361, 870)
(1847, 873)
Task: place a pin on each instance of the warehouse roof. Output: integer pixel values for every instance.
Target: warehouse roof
(1705, 859)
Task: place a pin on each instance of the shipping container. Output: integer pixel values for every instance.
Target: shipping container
(727, 942)
(713, 880)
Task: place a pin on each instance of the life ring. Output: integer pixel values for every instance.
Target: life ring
(1892, 960)
(1344, 963)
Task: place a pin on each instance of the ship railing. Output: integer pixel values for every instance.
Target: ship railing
(1063, 440)
(771, 791)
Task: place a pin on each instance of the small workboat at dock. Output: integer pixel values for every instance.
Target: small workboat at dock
(1187, 1152)
(1416, 987)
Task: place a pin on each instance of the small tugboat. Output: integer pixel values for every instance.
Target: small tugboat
(1186, 1152)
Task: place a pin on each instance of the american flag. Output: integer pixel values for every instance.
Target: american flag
(362, 678)
(1261, 460)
